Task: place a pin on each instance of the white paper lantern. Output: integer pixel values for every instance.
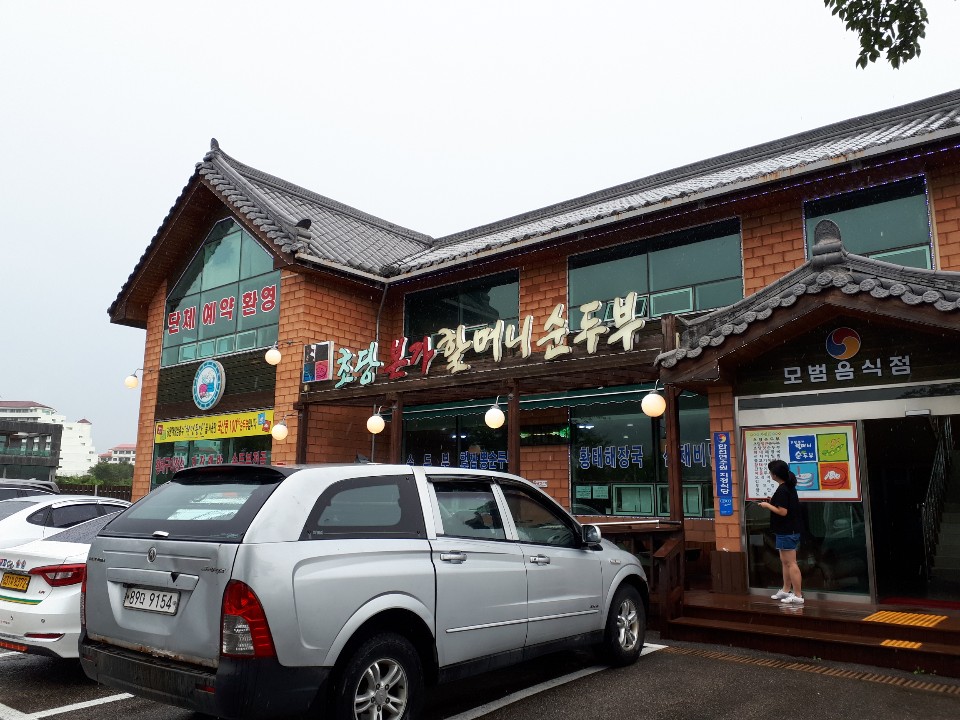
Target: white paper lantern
(375, 424)
(653, 404)
(494, 417)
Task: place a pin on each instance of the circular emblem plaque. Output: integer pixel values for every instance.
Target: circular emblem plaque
(208, 384)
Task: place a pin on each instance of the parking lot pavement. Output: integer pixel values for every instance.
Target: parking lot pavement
(680, 681)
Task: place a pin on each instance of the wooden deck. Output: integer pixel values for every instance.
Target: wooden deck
(903, 636)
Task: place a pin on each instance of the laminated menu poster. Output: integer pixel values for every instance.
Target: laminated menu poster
(823, 457)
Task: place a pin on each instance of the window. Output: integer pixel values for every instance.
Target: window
(697, 269)
(227, 300)
(70, 515)
(887, 222)
(455, 440)
(618, 461)
(377, 507)
(536, 522)
(469, 510)
(476, 303)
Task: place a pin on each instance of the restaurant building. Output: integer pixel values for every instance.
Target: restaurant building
(796, 299)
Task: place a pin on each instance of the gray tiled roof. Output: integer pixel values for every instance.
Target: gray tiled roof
(908, 124)
(335, 232)
(829, 267)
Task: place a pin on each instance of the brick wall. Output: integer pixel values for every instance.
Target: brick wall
(312, 309)
(772, 244)
(945, 197)
(149, 382)
(727, 527)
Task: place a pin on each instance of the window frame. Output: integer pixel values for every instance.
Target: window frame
(645, 248)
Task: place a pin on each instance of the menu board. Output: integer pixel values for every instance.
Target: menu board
(823, 457)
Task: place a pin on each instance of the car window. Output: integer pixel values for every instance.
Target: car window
(375, 507)
(85, 532)
(469, 509)
(536, 521)
(7, 493)
(69, 515)
(213, 504)
(9, 507)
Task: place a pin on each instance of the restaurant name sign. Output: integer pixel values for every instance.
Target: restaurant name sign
(452, 344)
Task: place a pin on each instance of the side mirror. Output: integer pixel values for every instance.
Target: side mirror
(590, 534)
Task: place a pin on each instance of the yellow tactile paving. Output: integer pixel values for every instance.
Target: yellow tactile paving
(902, 644)
(902, 618)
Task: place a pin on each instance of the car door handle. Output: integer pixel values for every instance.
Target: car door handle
(454, 557)
(539, 559)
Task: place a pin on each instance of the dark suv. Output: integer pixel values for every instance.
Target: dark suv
(11, 488)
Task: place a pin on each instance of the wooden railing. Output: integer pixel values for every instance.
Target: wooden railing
(659, 546)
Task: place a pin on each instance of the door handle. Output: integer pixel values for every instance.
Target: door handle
(539, 559)
(454, 557)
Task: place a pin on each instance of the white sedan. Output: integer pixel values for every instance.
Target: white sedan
(40, 516)
(40, 591)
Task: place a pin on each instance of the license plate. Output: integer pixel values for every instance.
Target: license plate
(15, 581)
(161, 601)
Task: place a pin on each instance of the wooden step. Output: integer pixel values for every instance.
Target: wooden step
(913, 626)
(927, 656)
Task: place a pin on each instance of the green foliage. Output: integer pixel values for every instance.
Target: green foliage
(890, 27)
(102, 474)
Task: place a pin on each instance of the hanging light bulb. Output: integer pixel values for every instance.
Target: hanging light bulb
(653, 403)
(376, 423)
(494, 417)
(131, 381)
(280, 430)
(272, 356)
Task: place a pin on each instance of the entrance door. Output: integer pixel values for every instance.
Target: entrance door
(900, 454)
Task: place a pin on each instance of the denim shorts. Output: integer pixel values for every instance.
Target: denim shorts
(788, 542)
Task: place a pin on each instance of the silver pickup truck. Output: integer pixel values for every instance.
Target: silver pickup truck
(344, 590)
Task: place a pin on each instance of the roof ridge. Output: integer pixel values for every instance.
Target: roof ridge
(863, 123)
(247, 172)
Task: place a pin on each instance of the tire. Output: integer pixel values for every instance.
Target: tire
(382, 680)
(626, 626)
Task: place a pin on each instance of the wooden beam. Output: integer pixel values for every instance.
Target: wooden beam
(396, 430)
(513, 428)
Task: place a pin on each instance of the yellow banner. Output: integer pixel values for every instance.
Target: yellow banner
(215, 426)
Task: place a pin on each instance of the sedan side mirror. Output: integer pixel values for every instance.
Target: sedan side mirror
(590, 535)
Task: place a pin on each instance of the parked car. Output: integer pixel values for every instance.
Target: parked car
(40, 591)
(12, 488)
(245, 591)
(39, 516)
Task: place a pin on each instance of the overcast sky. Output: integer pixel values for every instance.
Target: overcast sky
(439, 116)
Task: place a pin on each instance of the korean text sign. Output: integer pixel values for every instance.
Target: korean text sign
(823, 457)
(721, 466)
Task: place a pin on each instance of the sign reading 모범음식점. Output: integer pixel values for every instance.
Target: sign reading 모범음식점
(823, 457)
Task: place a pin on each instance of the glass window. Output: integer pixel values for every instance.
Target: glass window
(536, 521)
(453, 440)
(69, 515)
(377, 507)
(474, 303)
(169, 457)
(230, 287)
(890, 222)
(200, 504)
(696, 269)
(832, 553)
(469, 509)
(618, 463)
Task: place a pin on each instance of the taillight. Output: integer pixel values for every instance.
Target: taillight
(243, 625)
(60, 575)
(83, 601)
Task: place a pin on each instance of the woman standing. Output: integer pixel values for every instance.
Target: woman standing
(786, 523)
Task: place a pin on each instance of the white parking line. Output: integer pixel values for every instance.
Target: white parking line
(482, 710)
(7, 654)
(8, 713)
